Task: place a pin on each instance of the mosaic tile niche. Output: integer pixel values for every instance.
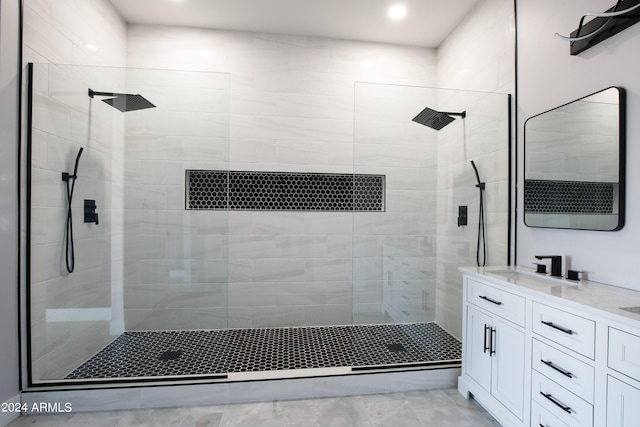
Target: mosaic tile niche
(240, 190)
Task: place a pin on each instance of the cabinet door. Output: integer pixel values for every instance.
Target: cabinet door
(507, 383)
(622, 404)
(477, 360)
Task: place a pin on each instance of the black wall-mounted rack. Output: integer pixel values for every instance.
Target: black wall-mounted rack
(616, 25)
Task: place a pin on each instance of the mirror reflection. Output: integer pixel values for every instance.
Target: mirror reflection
(574, 164)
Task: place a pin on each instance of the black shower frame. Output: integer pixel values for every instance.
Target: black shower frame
(186, 380)
(29, 138)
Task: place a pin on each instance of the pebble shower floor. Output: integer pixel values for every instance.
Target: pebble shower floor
(216, 352)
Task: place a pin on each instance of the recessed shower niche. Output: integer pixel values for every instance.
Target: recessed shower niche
(164, 284)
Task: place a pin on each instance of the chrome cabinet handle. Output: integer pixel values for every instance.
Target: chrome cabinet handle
(486, 347)
(552, 366)
(560, 328)
(490, 300)
(559, 404)
(492, 350)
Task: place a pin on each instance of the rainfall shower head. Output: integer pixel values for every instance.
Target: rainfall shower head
(123, 101)
(436, 119)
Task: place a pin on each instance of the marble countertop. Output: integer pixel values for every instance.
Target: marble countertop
(600, 299)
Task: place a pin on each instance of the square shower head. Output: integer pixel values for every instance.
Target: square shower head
(433, 119)
(127, 102)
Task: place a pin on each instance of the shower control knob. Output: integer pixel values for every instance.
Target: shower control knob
(90, 215)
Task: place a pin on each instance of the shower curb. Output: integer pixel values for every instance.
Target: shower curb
(82, 399)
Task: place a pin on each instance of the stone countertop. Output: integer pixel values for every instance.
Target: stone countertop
(600, 299)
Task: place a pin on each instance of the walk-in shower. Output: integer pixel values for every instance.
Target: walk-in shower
(327, 253)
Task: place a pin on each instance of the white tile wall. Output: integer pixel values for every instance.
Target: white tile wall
(478, 56)
(292, 109)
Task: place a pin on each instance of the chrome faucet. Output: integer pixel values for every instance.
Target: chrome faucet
(556, 264)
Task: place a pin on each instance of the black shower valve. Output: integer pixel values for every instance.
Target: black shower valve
(462, 215)
(90, 215)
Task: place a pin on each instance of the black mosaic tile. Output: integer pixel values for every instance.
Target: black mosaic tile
(239, 190)
(211, 352)
(546, 196)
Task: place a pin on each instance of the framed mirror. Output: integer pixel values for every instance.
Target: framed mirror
(574, 164)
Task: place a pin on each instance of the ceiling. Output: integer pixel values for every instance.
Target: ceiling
(427, 23)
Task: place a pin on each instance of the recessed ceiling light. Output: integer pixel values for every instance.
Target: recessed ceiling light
(366, 64)
(397, 12)
(204, 52)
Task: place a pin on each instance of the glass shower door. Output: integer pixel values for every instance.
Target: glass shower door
(140, 260)
(394, 250)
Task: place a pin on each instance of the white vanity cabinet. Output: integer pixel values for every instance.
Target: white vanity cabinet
(623, 403)
(548, 352)
(623, 389)
(562, 374)
(495, 345)
(495, 359)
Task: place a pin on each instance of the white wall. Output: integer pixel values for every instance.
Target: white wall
(9, 45)
(292, 110)
(548, 77)
(478, 55)
(79, 33)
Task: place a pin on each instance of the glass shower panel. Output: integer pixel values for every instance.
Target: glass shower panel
(394, 250)
(175, 259)
(140, 261)
(406, 258)
(485, 139)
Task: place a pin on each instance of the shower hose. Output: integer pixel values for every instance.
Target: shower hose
(70, 257)
(482, 238)
(481, 247)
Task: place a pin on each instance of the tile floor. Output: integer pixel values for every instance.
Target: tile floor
(436, 408)
(210, 352)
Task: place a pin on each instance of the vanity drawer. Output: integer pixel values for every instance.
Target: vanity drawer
(624, 353)
(542, 417)
(497, 301)
(560, 402)
(571, 331)
(572, 374)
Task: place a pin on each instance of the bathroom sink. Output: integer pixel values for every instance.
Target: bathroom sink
(523, 276)
(512, 274)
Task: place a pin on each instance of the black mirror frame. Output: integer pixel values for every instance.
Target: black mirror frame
(622, 158)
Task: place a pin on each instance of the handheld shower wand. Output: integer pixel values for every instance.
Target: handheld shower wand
(69, 249)
(482, 235)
